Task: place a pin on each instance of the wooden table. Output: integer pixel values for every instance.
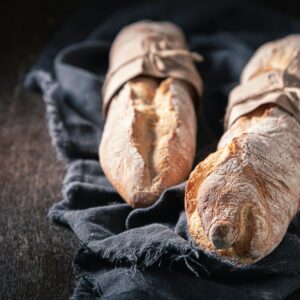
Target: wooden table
(35, 256)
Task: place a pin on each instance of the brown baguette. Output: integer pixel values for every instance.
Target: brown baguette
(240, 200)
(149, 139)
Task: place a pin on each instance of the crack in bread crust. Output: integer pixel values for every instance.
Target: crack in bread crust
(153, 128)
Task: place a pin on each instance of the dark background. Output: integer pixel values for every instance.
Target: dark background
(35, 256)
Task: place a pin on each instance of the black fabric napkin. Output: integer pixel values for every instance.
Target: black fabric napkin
(147, 253)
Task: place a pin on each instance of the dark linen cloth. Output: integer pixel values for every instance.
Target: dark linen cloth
(147, 253)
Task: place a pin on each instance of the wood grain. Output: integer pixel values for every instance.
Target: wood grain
(35, 257)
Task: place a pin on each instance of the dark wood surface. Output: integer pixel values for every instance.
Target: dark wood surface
(35, 256)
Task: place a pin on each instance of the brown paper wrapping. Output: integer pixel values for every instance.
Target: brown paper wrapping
(149, 48)
(281, 88)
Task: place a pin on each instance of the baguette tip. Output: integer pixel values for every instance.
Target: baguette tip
(222, 235)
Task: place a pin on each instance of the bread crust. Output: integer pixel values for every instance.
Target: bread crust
(149, 139)
(241, 199)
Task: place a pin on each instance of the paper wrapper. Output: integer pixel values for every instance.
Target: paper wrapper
(156, 49)
(281, 88)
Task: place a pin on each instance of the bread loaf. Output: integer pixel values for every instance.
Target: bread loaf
(150, 92)
(241, 199)
(149, 139)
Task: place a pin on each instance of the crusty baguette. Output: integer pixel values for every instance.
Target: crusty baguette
(149, 139)
(240, 200)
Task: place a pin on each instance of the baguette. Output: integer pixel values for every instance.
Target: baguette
(150, 94)
(241, 199)
(149, 139)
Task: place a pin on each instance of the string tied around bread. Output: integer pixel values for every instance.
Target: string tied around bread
(159, 57)
(145, 49)
(281, 88)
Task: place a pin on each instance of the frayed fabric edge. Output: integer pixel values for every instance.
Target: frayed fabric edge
(42, 80)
